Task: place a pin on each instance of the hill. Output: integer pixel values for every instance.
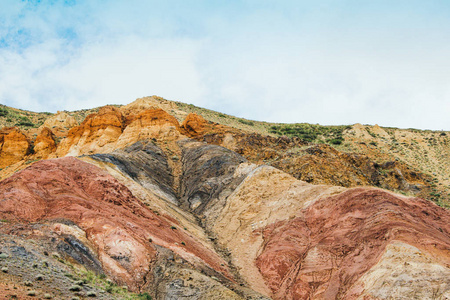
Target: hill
(160, 199)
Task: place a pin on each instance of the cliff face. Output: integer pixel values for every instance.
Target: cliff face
(14, 146)
(193, 211)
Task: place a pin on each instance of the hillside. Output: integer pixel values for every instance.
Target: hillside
(160, 199)
(409, 161)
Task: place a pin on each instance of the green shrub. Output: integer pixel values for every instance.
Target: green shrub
(144, 296)
(75, 288)
(335, 141)
(25, 123)
(246, 122)
(311, 132)
(91, 294)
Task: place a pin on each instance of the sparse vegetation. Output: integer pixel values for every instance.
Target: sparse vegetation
(84, 277)
(246, 122)
(311, 132)
(21, 118)
(3, 112)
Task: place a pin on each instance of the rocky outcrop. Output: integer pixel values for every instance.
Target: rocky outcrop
(14, 146)
(108, 130)
(194, 125)
(325, 250)
(95, 133)
(255, 147)
(209, 176)
(404, 272)
(61, 121)
(146, 164)
(146, 103)
(230, 228)
(323, 164)
(45, 144)
(151, 123)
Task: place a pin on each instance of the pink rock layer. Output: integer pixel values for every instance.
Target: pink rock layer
(323, 252)
(123, 230)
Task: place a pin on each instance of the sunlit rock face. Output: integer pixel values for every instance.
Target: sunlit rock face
(14, 146)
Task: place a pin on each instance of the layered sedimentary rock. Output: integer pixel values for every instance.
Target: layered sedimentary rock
(108, 130)
(14, 146)
(61, 121)
(194, 125)
(96, 132)
(323, 251)
(45, 144)
(180, 218)
(294, 240)
(153, 102)
(322, 164)
(230, 228)
(151, 123)
(126, 234)
(210, 174)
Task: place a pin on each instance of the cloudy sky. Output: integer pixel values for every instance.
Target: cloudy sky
(328, 62)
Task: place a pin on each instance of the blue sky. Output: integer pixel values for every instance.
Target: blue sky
(328, 62)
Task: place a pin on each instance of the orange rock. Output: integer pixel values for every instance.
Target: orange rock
(153, 117)
(45, 144)
(151, 123)
(96, 131)
(14, 146)
(146, 103)
(194, 124)
(61, 120)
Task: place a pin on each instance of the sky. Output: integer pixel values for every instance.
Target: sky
(318, 61)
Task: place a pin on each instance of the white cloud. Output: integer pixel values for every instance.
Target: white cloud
(296, 63)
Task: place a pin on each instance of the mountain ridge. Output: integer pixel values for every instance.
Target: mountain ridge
(388, 151)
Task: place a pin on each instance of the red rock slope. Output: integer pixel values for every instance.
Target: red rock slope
(325, 250)
(125, 233)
